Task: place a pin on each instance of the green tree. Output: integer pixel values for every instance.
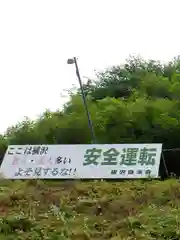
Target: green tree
(137, 102)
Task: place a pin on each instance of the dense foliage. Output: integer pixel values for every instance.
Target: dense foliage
(137, 102)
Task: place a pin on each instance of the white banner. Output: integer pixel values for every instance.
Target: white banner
(81, 161)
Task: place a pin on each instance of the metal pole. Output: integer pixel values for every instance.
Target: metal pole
(85, 103)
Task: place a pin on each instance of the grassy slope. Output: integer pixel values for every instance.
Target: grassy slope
(89, 210)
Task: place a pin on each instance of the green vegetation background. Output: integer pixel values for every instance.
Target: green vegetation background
(137, 102)
(134, 103)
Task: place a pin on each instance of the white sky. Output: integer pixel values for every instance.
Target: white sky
(37, 37)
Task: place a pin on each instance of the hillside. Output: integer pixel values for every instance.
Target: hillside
(90, 210)
(137, 102)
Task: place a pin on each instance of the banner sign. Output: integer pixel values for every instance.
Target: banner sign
(81, 161)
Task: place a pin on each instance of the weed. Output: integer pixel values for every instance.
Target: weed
(89, 210)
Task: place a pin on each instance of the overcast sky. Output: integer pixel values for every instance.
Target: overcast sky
(37, 37)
